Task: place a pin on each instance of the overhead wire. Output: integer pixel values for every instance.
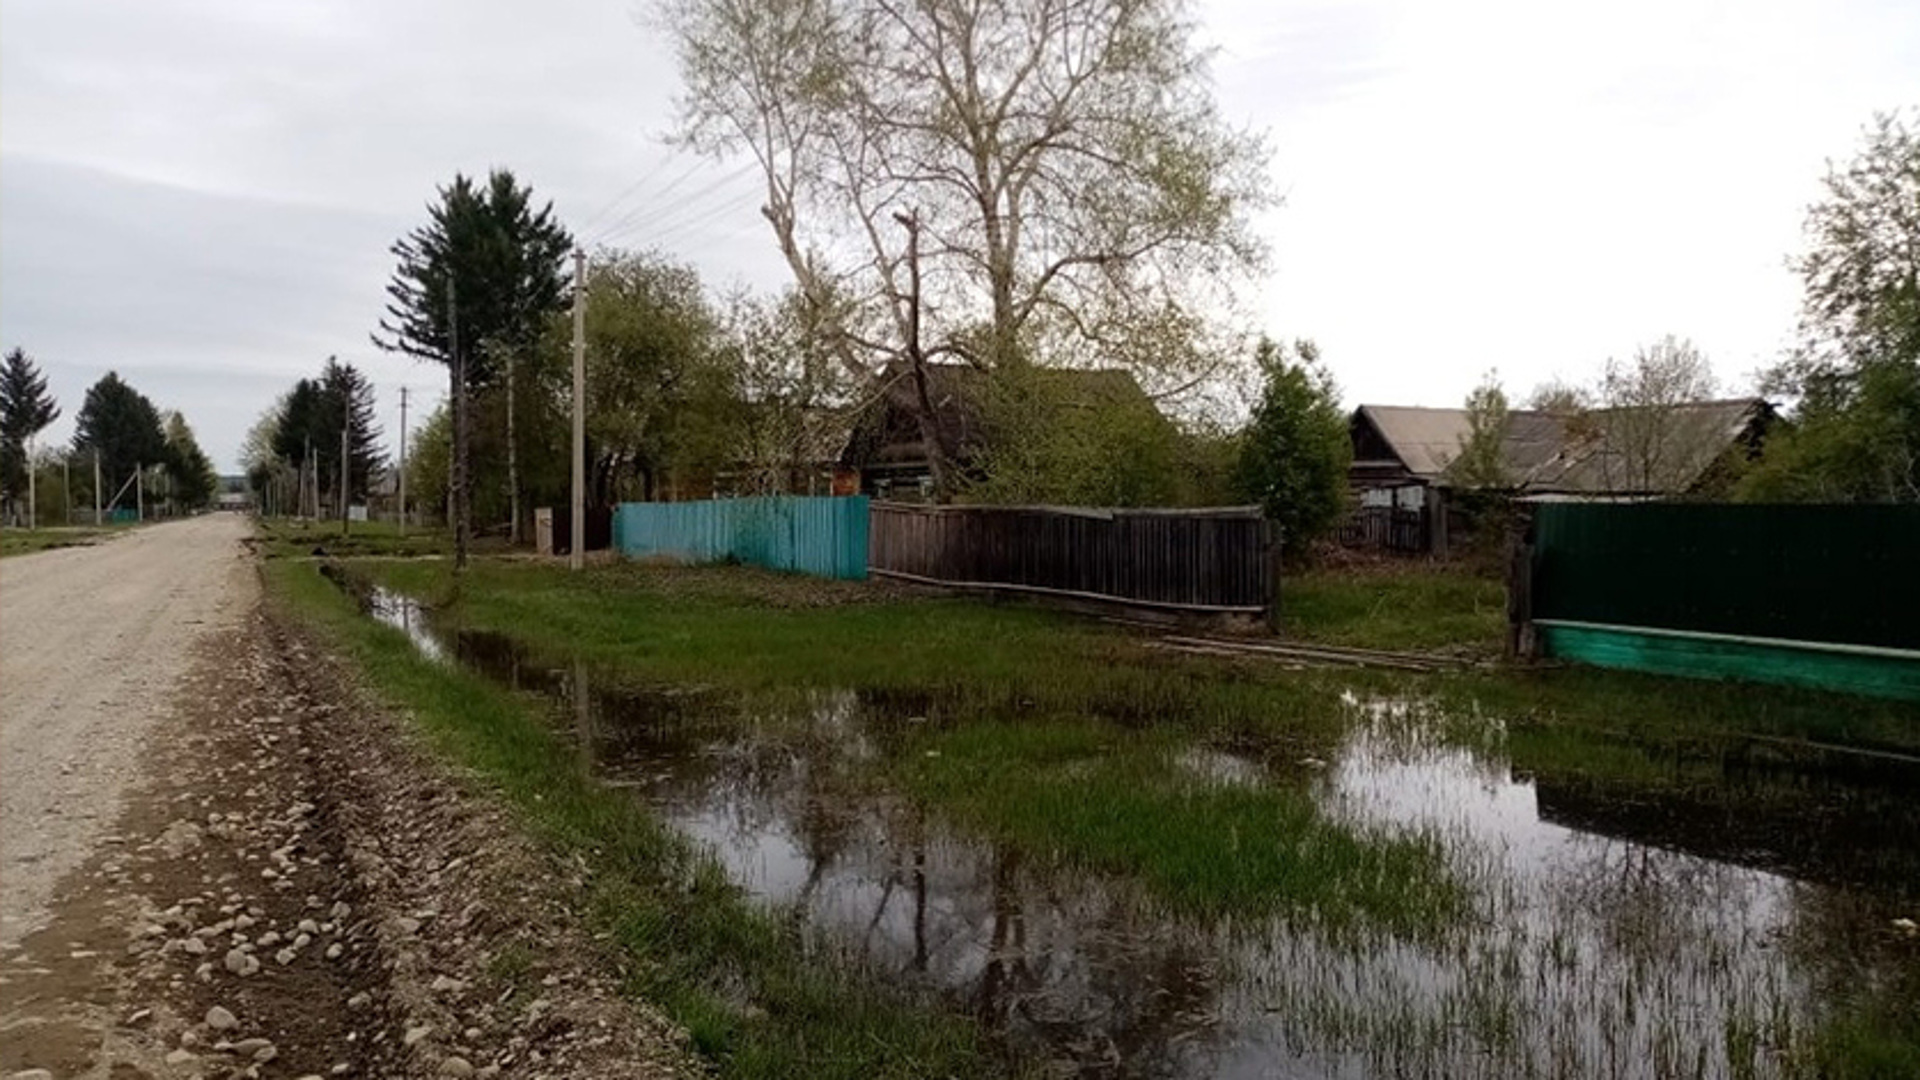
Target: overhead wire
(661, 211)
(647, 206)
(674, 217)
(679, 229)
(600, 214)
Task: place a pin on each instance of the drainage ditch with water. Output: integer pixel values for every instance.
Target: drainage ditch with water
(1609, 935)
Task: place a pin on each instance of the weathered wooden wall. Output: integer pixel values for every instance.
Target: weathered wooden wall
(1203, 561)
(1387, 528)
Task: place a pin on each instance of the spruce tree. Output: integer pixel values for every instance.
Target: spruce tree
(26, 408)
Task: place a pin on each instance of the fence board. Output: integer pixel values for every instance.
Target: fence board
(1388, 528)
(818, 535)
(1201, 560)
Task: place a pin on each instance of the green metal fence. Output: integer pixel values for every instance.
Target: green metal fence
(823, 536)
(1814, 595)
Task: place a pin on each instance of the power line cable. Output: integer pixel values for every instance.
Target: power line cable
(646, 206)
(647, 217)
(673, 219)
(600, 215)
(680, 229)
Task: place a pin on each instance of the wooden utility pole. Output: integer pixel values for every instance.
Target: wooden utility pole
(66, 485)
(96, 487)
(33, 506)
(140, 492)
(346, 499)
(403, 461)
(460, 502)
(513, 462)
(577, 545)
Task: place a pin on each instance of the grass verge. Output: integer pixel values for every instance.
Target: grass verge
(281, 538)
(738, 978)
(28, 541)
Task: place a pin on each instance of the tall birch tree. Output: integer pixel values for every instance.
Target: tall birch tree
(988, 182)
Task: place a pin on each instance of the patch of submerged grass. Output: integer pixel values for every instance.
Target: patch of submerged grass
(1006, 690)
(1088, 796)
(750, 630)
(1674, 713)
(737, 977)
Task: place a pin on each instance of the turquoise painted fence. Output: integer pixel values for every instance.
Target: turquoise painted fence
(822, 536)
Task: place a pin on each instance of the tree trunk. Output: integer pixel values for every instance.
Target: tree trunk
(927, 422)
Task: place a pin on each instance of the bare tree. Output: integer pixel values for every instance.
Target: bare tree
(983, 181)
(1653, 437)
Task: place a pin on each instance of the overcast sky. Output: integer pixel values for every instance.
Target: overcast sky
(201, 194)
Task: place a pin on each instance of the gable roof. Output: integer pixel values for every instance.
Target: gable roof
(886, 431)
(1637, 452)
(1590, 453)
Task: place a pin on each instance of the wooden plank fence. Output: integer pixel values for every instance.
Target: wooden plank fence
(1211, 562)
(1388, 528)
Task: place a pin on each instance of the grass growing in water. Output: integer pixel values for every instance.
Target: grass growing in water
(1055, 734)
(746, 629)
(1010, 690)
(738, 978)
(1120, 805)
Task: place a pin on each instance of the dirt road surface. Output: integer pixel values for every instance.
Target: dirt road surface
(94, 642)
(222, 857)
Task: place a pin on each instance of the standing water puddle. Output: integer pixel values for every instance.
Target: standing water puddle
(1611, 934)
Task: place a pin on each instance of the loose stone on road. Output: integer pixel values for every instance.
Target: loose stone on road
(221, 858)
(93, 642)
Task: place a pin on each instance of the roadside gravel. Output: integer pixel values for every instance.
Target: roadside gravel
(94, 641)
(225, 859)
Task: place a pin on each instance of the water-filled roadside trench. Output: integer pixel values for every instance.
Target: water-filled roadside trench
(1614, 929)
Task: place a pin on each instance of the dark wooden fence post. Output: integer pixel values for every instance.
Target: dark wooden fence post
(1521, 640)
(1270, 538)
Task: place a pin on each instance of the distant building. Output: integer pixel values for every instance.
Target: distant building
(1402, 454)
(889, 453)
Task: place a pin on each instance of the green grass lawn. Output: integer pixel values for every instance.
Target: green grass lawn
(287, 537)
(1410, 607)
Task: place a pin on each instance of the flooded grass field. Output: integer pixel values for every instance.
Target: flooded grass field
(1412, 890)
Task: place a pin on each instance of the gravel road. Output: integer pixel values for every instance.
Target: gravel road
(93, 642)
